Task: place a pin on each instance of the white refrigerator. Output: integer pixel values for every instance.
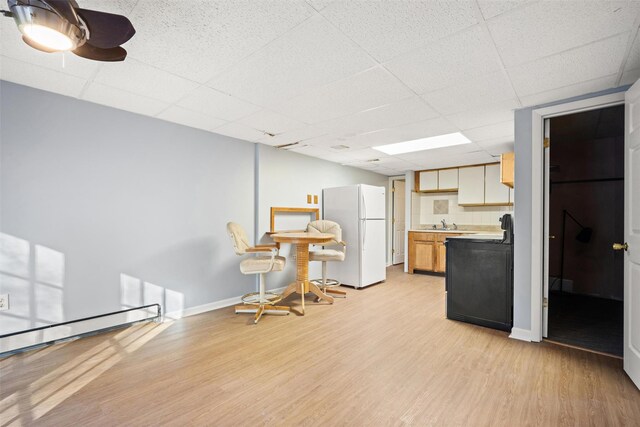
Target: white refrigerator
(360, 210)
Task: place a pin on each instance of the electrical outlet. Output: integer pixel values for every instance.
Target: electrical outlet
(4, 302)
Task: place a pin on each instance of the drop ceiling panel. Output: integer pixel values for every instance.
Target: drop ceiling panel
(118, 98)
(488, 115)
(295, 135)
(492, 8)
(633, 61)
(198, 40)
(458, 160)
(190, 118)
(28, 74)
(213, 103)
(548, 27)
(570, 91)
(578, 65)
(430, 155)
(457, 59)
(240, 131)
(504, 129)
(387, 29)
(387, 116)
(136, 77)
(271, 122)
(369, 89)
(312, 54)
(497, 148)
(630, 77)
(322, 153)
(474, 94)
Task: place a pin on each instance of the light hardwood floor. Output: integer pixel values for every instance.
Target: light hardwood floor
(386, 355)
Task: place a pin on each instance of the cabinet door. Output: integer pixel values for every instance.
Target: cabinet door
(429, 181)
(507, 169)
(424, 256)
(495, 192)
(448, 179)
(441, 258)
(471, 185)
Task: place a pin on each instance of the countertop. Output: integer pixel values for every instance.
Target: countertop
(497, 233)
(485, 236)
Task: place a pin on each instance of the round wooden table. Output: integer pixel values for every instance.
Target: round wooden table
(302, 240)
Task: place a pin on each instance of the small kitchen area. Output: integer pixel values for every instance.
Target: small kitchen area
(461, 229)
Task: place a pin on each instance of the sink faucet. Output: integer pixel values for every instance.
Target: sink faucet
(444, 224)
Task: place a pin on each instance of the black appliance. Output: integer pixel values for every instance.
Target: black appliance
(479, 279)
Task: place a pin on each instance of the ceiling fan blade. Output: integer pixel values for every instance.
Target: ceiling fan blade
(106, 30)
(65, 9)
(113, 54)
(37, 45)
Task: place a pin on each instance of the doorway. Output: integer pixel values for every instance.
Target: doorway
(585, 177)
(398, 221)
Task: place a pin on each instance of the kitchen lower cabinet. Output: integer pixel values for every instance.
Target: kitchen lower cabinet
(427, 251)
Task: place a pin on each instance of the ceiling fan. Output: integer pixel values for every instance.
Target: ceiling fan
(61, 25)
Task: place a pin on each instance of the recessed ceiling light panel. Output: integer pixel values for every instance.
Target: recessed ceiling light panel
(440, 141)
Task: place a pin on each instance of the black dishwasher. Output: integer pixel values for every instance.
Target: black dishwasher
(479, 279)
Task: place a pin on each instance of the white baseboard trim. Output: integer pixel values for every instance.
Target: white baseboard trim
(520, 334)
(215, 305)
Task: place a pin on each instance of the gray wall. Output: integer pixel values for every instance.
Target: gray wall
(523, 208)
(103, 209)
(285, 179)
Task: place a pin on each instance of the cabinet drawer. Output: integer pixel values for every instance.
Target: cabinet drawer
(423, 237)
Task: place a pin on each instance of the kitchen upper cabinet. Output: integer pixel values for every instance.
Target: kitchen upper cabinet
(495, 193)
(471, 186)
(448, 179)
(507, 169)
(428, 181)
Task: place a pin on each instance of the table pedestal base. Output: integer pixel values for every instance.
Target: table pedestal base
(302, 284)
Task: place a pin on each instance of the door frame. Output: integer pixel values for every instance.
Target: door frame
(390, 201)
(538, 188)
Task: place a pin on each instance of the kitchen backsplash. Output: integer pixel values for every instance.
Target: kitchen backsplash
(430, 208)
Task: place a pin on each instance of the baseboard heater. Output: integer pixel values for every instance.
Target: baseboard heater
(30, 339)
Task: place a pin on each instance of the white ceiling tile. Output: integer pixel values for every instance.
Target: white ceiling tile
(387, 29)
(198, 40)
(322, 153)
(118, 98)
(190, 118)
(488, 115)
(424, 129)
(491, 8)
(457, 160)
(369, 89)
(496, 149)
(391, 115)
(296, 135)
(438, 153)
(462, 57)
(629, 77)
(12, 46)
(633, 61)
(240, 131)
(270, 122)
(40, 78)
(550, 27)
(474, 94)
(505, 129)
(312, 54)
(570, 91)
(319, 4)
(142, 79)
(213, 103)
(578, 65)
(365, 154)
(121, 7)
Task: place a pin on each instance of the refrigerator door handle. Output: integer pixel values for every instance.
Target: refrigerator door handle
(364, 233)
(364, 206)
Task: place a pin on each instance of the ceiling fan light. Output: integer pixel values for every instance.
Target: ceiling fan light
(46, 28)
(47, 37)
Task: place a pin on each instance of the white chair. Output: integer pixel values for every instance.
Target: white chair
(261, 302)
(328, 255)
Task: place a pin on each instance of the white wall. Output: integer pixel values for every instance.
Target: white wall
(103, 209)
(285, 179)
